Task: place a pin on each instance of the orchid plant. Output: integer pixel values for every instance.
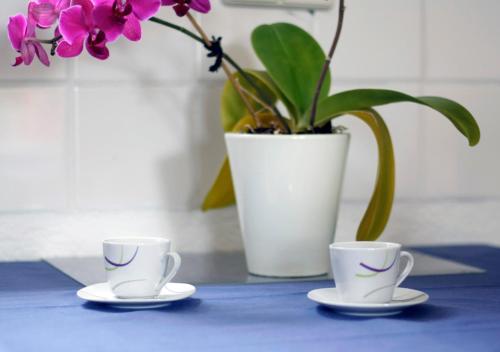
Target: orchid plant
(297, 74)
(89, 23)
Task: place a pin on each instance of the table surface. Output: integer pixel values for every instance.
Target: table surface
(39, 311)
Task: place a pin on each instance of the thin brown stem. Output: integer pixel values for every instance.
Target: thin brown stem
(324, 71)
(226, 69)
(250, 80)
(256, 98)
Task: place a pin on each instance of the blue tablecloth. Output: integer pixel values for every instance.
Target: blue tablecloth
(39, 311)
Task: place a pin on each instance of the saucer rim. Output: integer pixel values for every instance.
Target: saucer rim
(84, 294)
(422, 298)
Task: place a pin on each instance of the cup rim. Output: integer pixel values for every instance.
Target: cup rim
(136, 241)
(365, 245)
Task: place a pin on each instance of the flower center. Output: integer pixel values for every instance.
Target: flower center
(182, 7)
(96, 38)
(121, 8)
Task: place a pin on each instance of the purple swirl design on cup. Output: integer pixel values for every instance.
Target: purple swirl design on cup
(377, 270)
(119, 265)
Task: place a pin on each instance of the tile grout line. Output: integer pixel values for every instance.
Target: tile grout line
(71, 143)
(422, 125)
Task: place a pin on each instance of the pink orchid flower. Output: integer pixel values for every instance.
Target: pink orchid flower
(46, 12)
(76, 25)
(22, 37)
(181, 7)
(116, 17)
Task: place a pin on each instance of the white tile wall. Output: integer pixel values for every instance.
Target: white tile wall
(141, 130)
(462, 39)
(453, 168)
(161, 54)
(148, 146)
(32, 148)
(380, 39)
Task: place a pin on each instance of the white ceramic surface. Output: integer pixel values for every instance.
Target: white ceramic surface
(368, 272)
(288, 189)
(403, 298)
(139, 267)
(101, 293)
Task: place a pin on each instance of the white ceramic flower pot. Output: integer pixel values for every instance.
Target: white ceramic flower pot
(287, 190)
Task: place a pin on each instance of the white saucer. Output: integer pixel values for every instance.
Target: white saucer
(403, 298)
(101, 293)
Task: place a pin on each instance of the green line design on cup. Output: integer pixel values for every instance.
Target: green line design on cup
(365, 276)
(127, 282)
(378, 289)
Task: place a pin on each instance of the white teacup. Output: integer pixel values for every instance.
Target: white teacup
(368, 272)
(138, 267)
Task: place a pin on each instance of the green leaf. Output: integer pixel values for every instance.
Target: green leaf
(379, 209)
(232, 107)
(266, 80)
(293, 59)
(361, 99)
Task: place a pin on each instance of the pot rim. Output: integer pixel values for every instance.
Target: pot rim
(237, 135)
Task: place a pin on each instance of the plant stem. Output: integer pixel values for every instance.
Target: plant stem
(324, 71)
(263, 96)
(233, 63)
(257, 99)
(226, 69)
(177, 28)
(47, 41)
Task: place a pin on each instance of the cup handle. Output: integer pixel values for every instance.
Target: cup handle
(406, 271)
(170, 275)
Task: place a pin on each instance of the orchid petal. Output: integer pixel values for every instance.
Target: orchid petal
(105, 20)
(65, 49)
(17, 30)
(27, 52)
(19, 61)
(103, 2)
(132, 30)
(202, 6)
(167, 2)
(87, 8)
(30, 28)
(145, 9)
(72, 24)
(43, 14)
(62, 5)
(41, 53)
(42, 2)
